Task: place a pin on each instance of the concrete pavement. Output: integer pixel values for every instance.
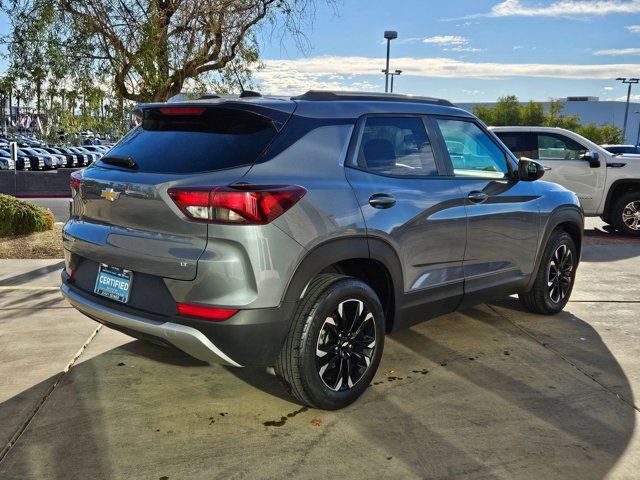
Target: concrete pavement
(491, 392)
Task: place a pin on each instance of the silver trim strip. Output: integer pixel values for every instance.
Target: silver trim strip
(187, 339)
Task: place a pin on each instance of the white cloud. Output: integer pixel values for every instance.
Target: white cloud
(615, 52)
(402, 41)
(561, 8)
(290, 76)
(624, 99)
(607, 89)
(472, 92)
(447, 40)
(633, 28)
(451, 43)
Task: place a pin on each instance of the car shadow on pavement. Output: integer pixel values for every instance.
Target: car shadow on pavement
(467, 395)
(32, 274)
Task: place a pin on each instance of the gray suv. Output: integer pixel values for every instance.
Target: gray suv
(295, 233)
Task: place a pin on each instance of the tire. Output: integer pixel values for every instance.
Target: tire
(550, 297)
(318, 368)
(623, 216)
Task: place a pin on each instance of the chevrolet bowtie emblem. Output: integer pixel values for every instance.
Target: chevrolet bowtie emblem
(110, 194)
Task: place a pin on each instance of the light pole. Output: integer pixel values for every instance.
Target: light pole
(389, 35)
(630, 82)
(397, 72)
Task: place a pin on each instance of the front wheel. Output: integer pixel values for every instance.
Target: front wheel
(335, 343)
(626, 214)
(555, 277)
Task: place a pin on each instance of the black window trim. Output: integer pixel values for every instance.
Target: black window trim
(509, 157)
(356, 139)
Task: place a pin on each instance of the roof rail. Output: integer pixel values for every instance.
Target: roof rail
(328, 95)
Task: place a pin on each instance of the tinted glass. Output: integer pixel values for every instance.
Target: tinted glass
(396, 146)
(472, 152)
(217, 139)
(624, 149)
(558, 147)
(521, 144)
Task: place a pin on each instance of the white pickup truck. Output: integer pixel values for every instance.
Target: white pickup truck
(607, 185)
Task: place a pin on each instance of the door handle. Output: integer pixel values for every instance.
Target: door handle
(381, 200)
(477, 197)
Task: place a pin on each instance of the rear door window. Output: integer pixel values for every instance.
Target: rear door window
(396, 146)
(521, 144)
(198, 140)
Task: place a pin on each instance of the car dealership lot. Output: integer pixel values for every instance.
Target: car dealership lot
(490, 392)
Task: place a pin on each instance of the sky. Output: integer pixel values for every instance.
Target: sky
(463, 50)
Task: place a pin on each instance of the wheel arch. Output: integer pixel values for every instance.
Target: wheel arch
(369, 259)
(617, 188)
(567, 218)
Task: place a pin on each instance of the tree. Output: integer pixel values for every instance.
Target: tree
(507, 111)
(484, 113)
(150, 48)
(611, 134)
(532, 114)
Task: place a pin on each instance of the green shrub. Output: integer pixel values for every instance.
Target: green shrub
(20, 217)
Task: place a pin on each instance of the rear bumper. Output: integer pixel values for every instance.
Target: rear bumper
(249, 338)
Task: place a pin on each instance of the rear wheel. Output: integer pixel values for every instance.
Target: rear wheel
(626, 213)
(555, 277)
(335, 343)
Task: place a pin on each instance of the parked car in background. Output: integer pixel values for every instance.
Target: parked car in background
(80, 158)
(367, 213)
(95, 155)
(71, 159)
(50, 162)
(86, 155)
(6, 162)
(28, 161)
(608, 185)
(622, 149)
(61, 159)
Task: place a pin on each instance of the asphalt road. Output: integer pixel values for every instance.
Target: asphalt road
(492, 392)
(58, 206)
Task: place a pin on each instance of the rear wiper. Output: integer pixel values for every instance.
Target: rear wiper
(126, 162)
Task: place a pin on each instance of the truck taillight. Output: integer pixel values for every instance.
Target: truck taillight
(75, 180)
(239, 204)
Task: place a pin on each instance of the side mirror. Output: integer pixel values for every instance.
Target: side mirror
(593, 158)
(529, 170)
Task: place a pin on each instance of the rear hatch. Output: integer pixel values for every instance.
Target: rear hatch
(122, 215)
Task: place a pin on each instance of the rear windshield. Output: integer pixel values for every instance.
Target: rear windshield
(216, 139)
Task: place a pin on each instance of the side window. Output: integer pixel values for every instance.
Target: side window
(521, 144)
(472, 152)
(396, 146)
(558, 147)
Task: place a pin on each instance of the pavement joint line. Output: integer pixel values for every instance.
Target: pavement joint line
(23, 427)
(566, 359)
(25, 287)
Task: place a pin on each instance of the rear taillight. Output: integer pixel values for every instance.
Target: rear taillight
(240, 204)
(207, 313)
(75, 180)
